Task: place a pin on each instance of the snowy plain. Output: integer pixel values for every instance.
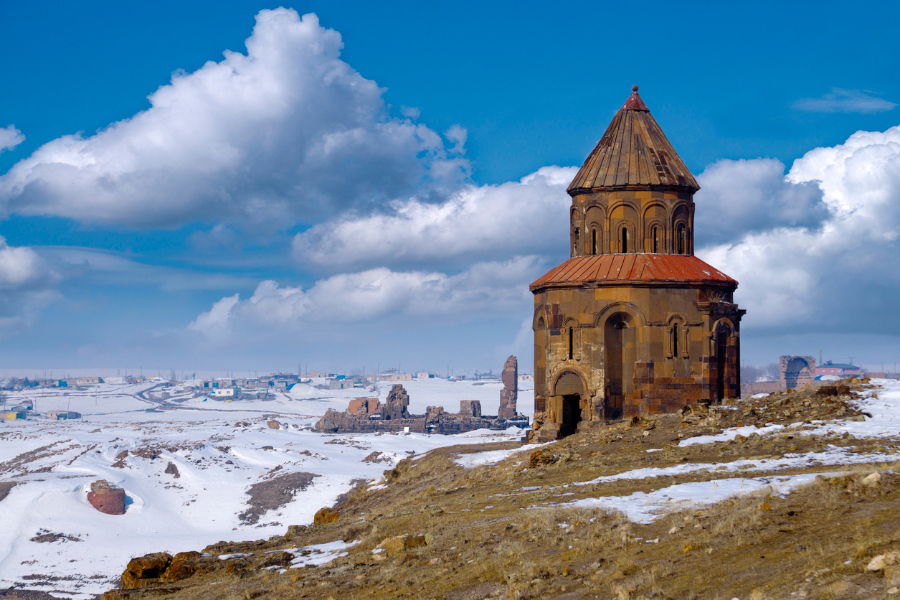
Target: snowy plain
(219, 449)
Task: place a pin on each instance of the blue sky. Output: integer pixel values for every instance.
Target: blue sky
(427, 114)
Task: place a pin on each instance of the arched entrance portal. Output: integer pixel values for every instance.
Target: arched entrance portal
(796, 368)
(618, 339)
(570, 387)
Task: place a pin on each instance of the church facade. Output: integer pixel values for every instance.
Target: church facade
(633, 323)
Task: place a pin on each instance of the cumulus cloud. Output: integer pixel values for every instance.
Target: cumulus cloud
(744, 196)
(845, 101)
(26, 286)
(286, 133)
(525, 217)
(10, 137)
(375, 296)
(843, 275)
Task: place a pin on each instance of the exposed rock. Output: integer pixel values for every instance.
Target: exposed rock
(188, 564)
(276, 559)
(510, 392)
(145, 570)
(542, 457)
(107, 498)
(401, 543)
(171, 469)
(378, 457)
(872, 479)
(273, 424)
(325, 516)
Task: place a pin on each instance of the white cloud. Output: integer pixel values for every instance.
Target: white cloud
(845, 101)
(26, 286)
(10, 137)
(743, 196)
(477, 223)
(373, 297)
(286, 133)
(844, 275)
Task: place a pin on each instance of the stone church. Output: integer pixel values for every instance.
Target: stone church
(633, 323)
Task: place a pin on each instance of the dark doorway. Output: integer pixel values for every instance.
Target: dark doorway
(571, 414)
(570, 387)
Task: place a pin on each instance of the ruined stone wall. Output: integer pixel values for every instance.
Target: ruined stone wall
(797, 371)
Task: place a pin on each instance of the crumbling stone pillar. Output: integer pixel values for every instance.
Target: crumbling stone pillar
(510, 392)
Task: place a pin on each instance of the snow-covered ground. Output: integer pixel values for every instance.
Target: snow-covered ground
(219, 449)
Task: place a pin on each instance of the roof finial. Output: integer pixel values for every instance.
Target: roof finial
(634, 88)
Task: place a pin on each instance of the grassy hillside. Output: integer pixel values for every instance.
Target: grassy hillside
(513, 521)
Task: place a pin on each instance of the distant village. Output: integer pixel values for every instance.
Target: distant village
(225, 389)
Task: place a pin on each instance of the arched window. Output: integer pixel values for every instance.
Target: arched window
(624, 244)
(681, 240)
(675, 340)
(571, 342)
(654, 237)
(593, 241)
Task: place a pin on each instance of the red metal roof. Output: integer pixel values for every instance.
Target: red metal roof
(632, 268)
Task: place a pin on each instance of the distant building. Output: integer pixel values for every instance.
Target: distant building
(395, 376)
(87, 380)
(340, 384)
(12, 415)
(314, 374)
(839, 369)
(424, 375)
(526, 377)
(223, 393)
(62, 415)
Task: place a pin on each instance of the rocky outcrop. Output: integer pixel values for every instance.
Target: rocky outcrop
(107, 498)
(510, 392)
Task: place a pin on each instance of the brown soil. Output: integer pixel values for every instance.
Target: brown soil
(505, 531)
(5, 488)
(274, 493)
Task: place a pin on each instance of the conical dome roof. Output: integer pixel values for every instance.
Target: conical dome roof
(633, 152)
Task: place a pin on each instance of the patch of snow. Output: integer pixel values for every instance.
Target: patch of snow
(730, 434)
(490, 457)
(833, 456)
(319, 554)
(643, 507)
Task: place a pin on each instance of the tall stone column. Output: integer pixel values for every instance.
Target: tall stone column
(510, 392)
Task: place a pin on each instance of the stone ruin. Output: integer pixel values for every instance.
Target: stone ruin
(107, 498)
(510, 392)
(797, 371)
(369, 415)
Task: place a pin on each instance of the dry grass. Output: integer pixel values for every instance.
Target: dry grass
(502, 531)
